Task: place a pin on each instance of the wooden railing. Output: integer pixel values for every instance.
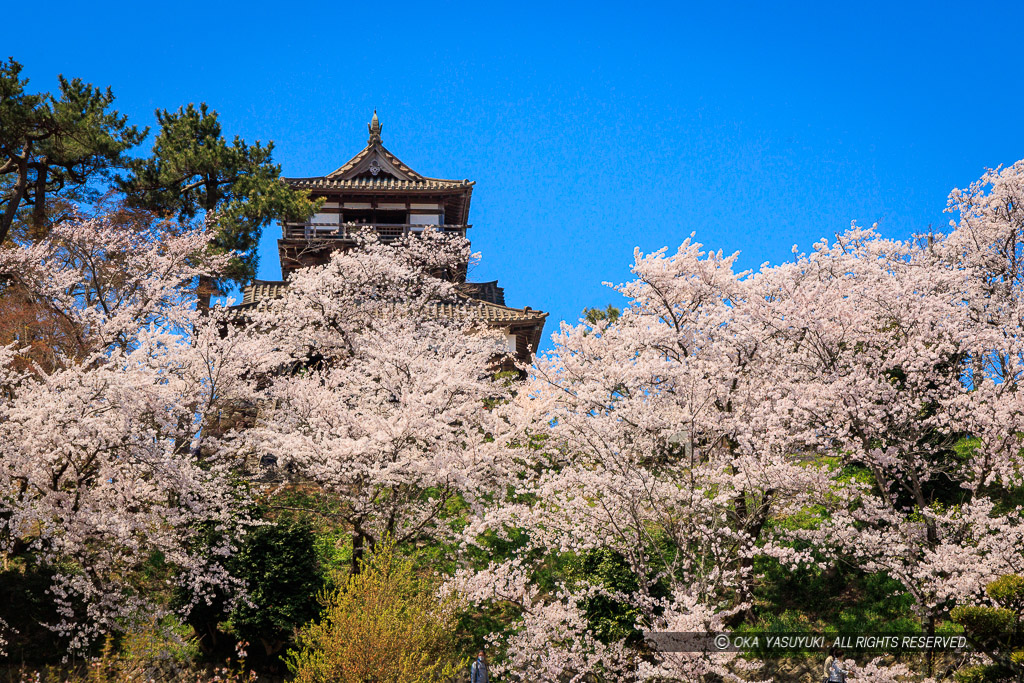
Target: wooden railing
(349, 231)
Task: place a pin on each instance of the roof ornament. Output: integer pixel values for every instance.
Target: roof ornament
(375, 128)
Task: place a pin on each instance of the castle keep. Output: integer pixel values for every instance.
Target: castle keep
(375, 191)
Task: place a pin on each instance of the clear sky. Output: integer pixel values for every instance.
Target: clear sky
(590, 128)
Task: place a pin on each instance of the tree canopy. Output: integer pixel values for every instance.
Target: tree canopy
(60, 146)
(194, 170)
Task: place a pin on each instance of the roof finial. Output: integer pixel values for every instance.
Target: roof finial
(374, 127)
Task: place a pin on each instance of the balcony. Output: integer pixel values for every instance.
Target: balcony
(348, 232)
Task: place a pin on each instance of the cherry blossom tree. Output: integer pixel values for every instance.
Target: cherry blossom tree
(109, 462)
(870, 387)
(655, 447)
(381, 381)
(906, 369)
(872, 382)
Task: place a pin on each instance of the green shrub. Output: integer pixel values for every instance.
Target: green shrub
(280, 566)
(386, 624)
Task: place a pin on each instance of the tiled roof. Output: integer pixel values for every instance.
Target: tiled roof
(262, 290)
(326, 183)
(376, 168)
(371, 147)
(485, 310)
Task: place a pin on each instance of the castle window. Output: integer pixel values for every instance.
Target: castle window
(322, 223)
(390, 217)
(324, 219)
(358, 216)
(425, 219)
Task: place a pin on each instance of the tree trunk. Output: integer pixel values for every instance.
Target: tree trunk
(204, 293)
(930, 655)
(39, 201)
(358, 546)
(15, 200)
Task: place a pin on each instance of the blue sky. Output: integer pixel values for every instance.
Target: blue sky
(590, 128)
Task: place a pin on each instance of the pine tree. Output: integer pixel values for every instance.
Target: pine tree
(61, 146)
(194, 171)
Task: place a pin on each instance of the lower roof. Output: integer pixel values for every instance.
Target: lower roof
(494, 314)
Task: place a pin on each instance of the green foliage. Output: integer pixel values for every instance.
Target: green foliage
(24, 607)
(195, 171)
(996, 631)
(1008, 591)
(334, 553)
(55, 146)
(973, 674)
(610, 619)
(166, 639)
(279, 564)
(609, 314)
(387, 624)
(809, 517)
(840, 598)
(281, 568)
(984, 623)
(986, 673)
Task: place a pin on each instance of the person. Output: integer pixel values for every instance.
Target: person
(834, 671)
(478, 672)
